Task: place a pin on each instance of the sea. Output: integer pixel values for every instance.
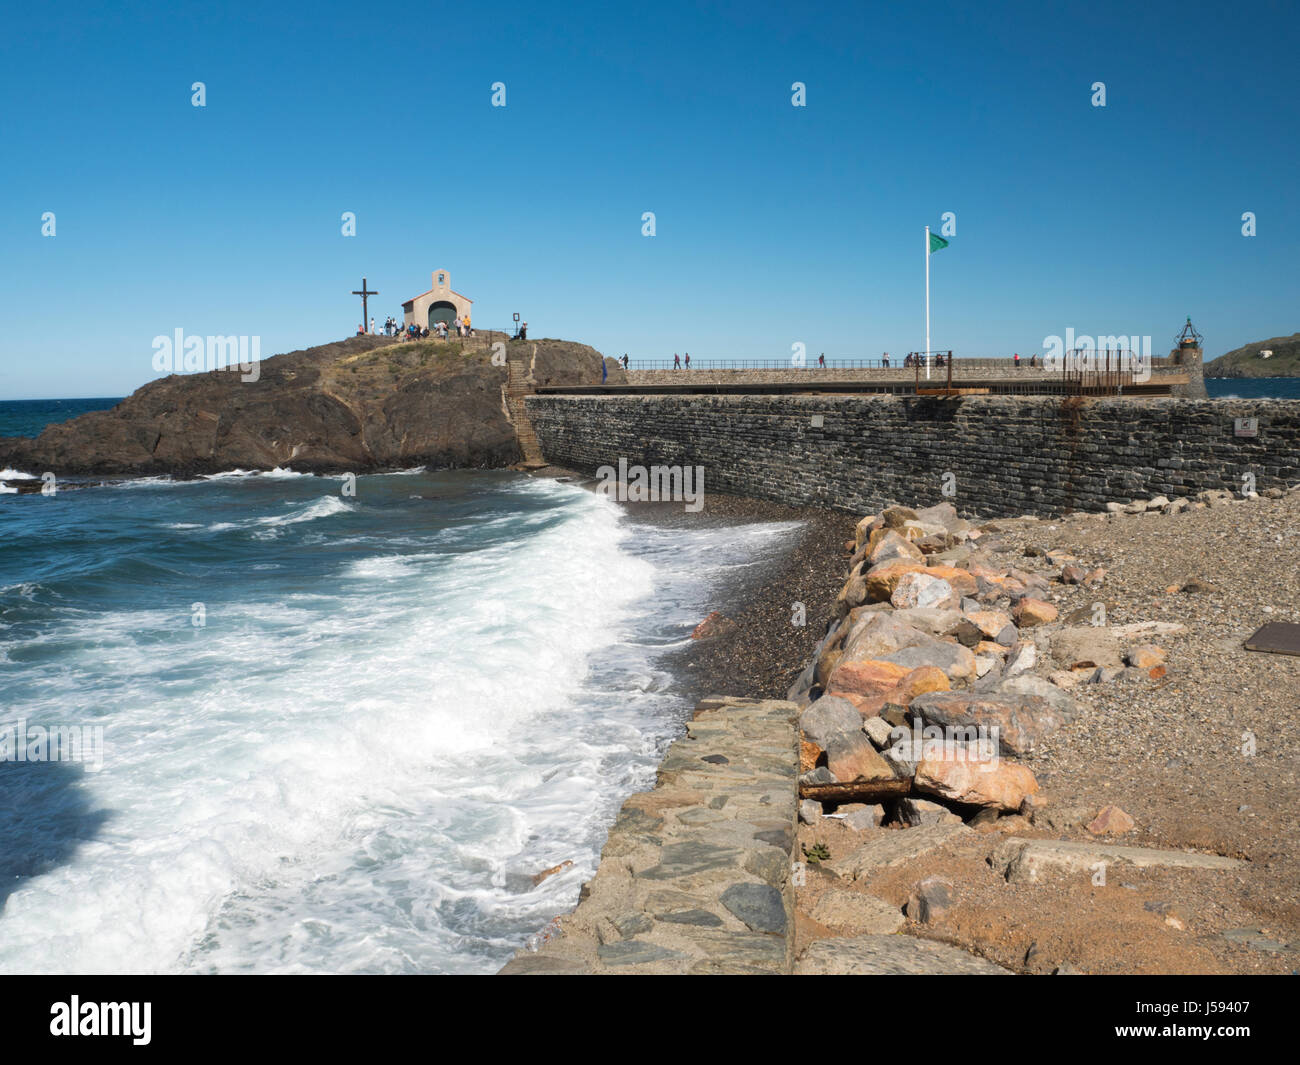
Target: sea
(340, 733)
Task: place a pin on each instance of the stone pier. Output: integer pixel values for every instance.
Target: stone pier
(696, 874)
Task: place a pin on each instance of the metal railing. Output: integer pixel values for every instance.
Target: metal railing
(965, 364)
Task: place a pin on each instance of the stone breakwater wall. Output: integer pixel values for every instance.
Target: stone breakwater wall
(695, 876)
(997, 455)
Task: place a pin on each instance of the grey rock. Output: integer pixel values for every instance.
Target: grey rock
(760, 906)
(929, 900)
(829, 718)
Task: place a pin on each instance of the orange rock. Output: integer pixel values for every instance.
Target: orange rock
(997, 782)
(715, 624)
(1030, 612)
(1157, 672)
(962, 581)
(989, 622)
(919, 681)
(808, 755)
(1148, 656)
(866, 678)
(1110, 821)
(882, 579)
(988, 647)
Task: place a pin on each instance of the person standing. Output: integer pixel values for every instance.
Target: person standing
(1016, 360)
(884, 360)
(625, 360)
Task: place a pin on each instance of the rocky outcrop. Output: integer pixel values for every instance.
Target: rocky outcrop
(359, 404)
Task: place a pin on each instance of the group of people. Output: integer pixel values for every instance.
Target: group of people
(918, 360)
(677, 361)
(393, 328)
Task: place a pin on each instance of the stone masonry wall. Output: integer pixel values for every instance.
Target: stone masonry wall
(695, 876)
(1007, 455)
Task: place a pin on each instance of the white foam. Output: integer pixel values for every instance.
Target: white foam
(335, 780)
(10, 474)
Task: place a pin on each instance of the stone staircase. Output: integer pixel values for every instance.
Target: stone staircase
(518, 386)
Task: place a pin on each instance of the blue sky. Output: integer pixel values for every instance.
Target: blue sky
(775, 224)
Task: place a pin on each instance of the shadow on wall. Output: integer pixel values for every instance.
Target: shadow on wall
(45, 814)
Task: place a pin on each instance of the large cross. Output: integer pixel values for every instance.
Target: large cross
(364, 293)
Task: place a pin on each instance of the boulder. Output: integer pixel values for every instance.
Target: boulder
(962, 775)
(991, 623)
(961, 580)
(870, 678)
(894, 517)
(922, 590)
(882, 579)
(827, 718)
(933, 621)
(879, 634)
(956, 661)
(1030, 612)
(1019, 721)
(916, 811)
(929, 900)
(889, 546)
(851, 756)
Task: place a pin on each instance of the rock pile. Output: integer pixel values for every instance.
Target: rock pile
(944, 669)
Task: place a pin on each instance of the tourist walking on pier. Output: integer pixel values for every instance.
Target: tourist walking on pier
(688, 360)
(625, 360)
(677, 361)
(821, 360)
(1016, 359)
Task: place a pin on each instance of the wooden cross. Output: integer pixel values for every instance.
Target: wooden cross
(364, 293)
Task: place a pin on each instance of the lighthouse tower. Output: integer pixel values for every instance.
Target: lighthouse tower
(1188, 356)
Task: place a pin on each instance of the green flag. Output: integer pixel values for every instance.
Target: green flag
(937, 242)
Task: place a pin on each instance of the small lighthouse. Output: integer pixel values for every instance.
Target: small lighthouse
(1188, 356)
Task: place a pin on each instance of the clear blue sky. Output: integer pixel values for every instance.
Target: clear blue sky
(775, 224)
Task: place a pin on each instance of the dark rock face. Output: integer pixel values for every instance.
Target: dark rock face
(363, 403)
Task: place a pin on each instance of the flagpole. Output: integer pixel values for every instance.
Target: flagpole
(926, 356)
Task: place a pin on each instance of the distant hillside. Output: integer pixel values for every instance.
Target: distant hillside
(1245, 361)
(363, 403)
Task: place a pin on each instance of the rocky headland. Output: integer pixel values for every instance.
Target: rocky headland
(1246, 361)
(361, 404)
